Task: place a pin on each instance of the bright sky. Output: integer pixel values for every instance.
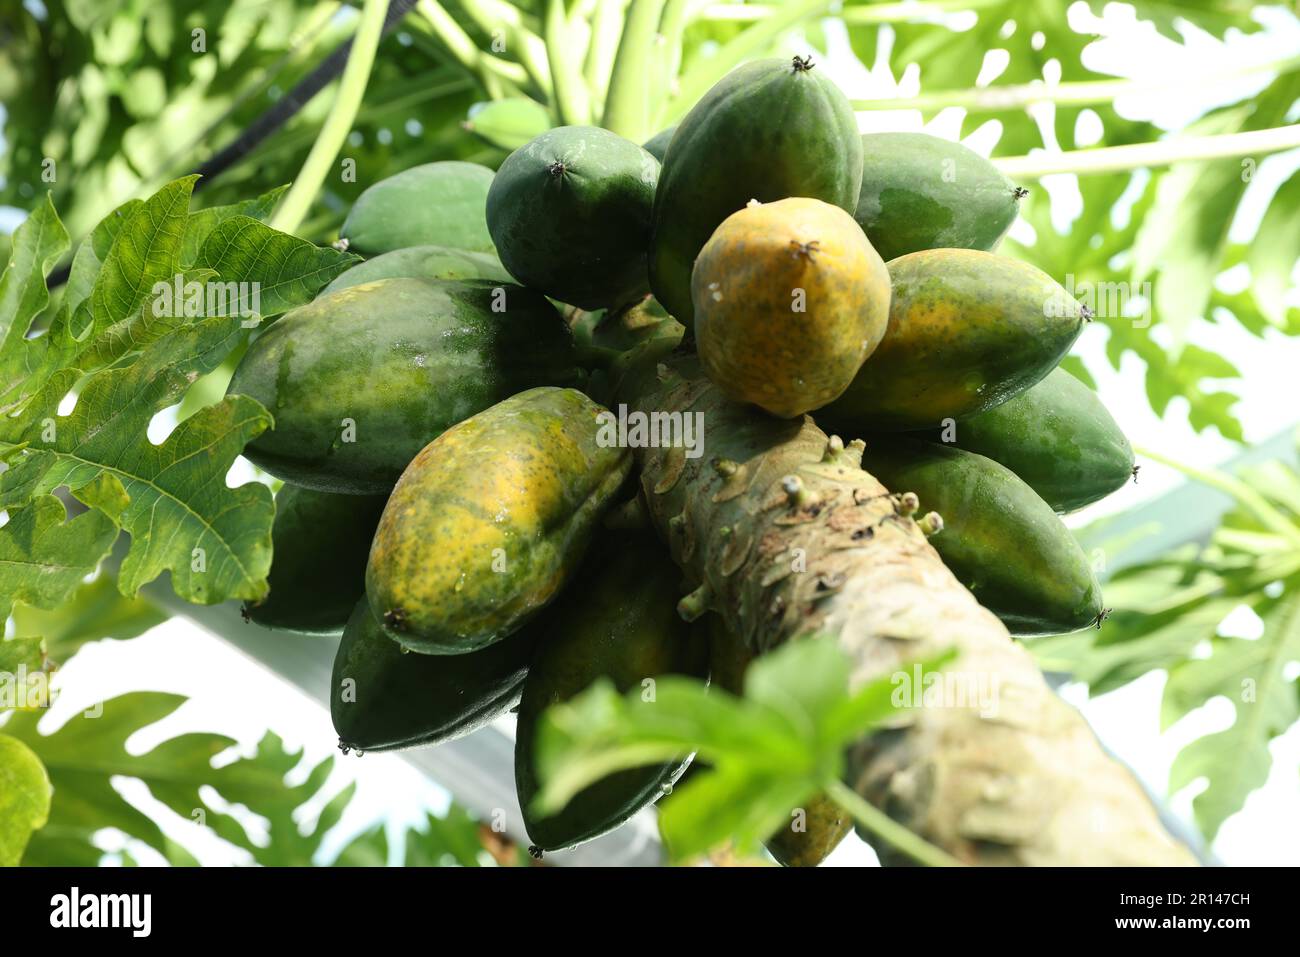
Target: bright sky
(231, 695)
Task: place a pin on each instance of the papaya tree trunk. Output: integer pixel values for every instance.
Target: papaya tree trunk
(786, 537)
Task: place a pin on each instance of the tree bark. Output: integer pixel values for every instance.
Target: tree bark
(786, 537)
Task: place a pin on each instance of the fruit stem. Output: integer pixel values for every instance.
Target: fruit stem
(627, 109)
(995, 99)
(1181, 149)
(886, 828)
(334, 132)
(1246, 496)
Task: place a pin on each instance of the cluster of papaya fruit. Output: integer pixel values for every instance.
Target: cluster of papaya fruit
(450, 508)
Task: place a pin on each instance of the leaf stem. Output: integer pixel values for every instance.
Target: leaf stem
(627, 108)
(572, 105)
(528, 48)
(854, 15)
(489, 69)
(606, 28)
(886, 828)
(994, 99)
(1246, 496)
(333, 133)
(1181, 149)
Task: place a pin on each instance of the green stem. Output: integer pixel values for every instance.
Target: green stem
(606, 28)
(994, 99)
(490, 70)
(856, 15)
(570, 94)
(1245, 496)
(697, 80)
(525, 45)
(1112, 159)
(334, 132)
(627, 109)
(886, 828)
(669, 50)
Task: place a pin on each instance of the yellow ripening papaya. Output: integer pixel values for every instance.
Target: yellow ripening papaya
(790, 298)
(968, 330)
(489, 521)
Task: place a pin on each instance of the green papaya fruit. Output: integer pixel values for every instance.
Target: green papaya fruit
(570, 215)
(422, 262)
(360, 380)
(1057, 437)
(922, 192)
(619, 621)
(437, 204)
(815, 829)
(508, 124)
(320, 542)
(768, 130)
(491, 519)
(383, 698)
(967, 331)
(999, 538)
(657, 145)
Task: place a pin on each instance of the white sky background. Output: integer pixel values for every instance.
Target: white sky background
(231, 695)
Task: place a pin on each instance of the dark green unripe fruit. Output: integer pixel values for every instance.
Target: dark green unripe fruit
(923, 192)
(362, 379)
(570, 215)
(383, 698)
(438, 204)
(320, 542)
(768, 130)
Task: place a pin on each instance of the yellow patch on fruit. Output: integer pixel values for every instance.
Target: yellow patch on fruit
(790, 298)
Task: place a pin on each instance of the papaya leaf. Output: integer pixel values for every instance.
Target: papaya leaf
(729, 802)
(24, 798)
(767, 751)
(202, 222)
(81, 759)
(25, 668)
(182, 517)
(38, 243)
(1252, 674)
(45, 555)
(1273, 254)
(96, 610)
(285, 270)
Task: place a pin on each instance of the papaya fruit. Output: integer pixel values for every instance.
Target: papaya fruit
(383, 698)
(319, 545)
(570, 215)
(436, 204)
(789, 299)
(999, 538)
(815, 829)
(509, 123)
(360, 380)
(922, 192)
(622, 625)
(422, 262)
(657, 145)
(768, 130)
(967, 331)
(1057, 437)
(490, 520)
